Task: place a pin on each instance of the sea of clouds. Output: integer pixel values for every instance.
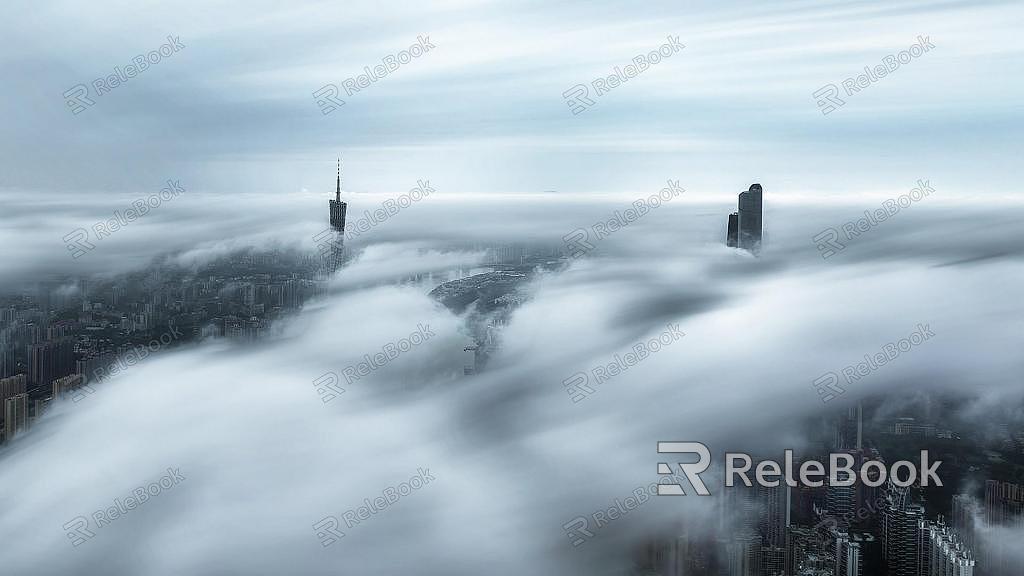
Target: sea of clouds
(513, 457)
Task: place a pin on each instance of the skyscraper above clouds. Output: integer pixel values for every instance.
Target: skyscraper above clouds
(745, 225)
(750, 213)
(338, 207)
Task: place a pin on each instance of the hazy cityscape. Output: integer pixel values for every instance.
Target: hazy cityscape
(508, 288)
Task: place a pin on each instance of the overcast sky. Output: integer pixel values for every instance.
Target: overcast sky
(482, 117)
(233, 111)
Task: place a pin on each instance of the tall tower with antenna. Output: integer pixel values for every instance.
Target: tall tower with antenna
(338, 207)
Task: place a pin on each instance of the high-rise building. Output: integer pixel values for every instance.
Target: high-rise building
(963, 520)
(50, 360)
(1004, 503)
(858, 553)
(338, 207)
(65, 385)
(94, 365)
(772, 561)
(774, 517)
(739, 554)
(15, 416)
(1004, 509)
(944, 554)
(848, 429)
(749, 221)
(745, 225)
(732, 232)
(841, 504)
(12, 386)
(772, 522)
(808, 553)
(8, 352)
(900, 532)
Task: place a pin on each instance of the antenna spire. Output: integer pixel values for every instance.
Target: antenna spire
(337, 193)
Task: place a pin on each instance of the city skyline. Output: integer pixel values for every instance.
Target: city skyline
(703, 289)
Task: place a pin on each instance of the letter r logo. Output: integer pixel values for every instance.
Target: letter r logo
(828, 242)
(828, 98)
(577, 386)
(78, 530)
(691, 470)
(327, 531)
(77, 242)
(77, 98)
(576, 530)
(576, 242)
(327, 99)
(577, 98)
(826, 384)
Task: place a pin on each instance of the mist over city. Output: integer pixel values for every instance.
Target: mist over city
(469, 287)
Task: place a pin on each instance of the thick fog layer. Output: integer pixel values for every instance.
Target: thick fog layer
(506, 455)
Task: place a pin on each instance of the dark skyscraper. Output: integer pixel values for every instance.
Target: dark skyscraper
(337, 206)
(1004, 507)
(50, 360)
(750, 219)
(745, 224)
(15, 415)
(901, 543)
